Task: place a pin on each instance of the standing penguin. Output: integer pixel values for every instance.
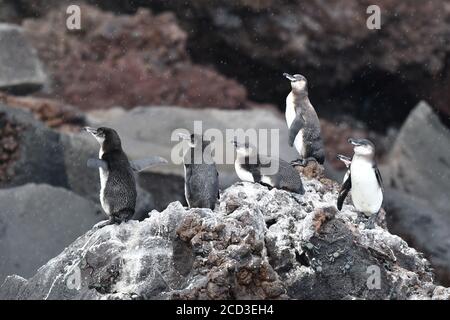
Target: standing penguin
(364, 179)
(117, 182)
(253, 167)
(303, 123)
(201, 179)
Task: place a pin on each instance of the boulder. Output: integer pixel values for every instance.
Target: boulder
(256, 244)
(43, 155)
(33, 228)
(419, 162)
(20, 69)
(422, 227)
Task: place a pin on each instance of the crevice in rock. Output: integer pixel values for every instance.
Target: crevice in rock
(302, 258)
(270, 222)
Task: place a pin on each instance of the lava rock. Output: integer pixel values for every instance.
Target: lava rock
(20, 69)
(268, 247)
(37, 221)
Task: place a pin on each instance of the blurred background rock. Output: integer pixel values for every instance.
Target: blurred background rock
(133, 60)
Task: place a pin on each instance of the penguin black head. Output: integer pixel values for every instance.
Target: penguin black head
(194, 140)
(244, 149)
(363, 147)
(298, 82)
(108, 138)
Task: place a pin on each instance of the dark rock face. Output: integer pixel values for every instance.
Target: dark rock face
(257, 244)
(20, 69)
(33, 229)
(419, 166)
(127, 61)
(329, 42)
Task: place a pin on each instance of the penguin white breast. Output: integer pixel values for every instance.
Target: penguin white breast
(243, 174)
(267, 180)
(290, 115)
(367, 195)
(290, 110)
(103, 179)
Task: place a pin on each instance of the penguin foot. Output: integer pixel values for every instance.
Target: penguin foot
(303, 162)
(103, 223)
(372, 221)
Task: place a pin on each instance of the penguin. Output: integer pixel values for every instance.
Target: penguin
(117, 181)
(253, 167)
(303, 123)
(364, 180)
(201, 178)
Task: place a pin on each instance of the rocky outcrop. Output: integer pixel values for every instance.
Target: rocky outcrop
(92, 69)
(33, 228)
(20, 69)
(256, 244)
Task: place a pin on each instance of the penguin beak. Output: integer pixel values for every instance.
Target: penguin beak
(288, 76)
(346, 160)
(92, 131)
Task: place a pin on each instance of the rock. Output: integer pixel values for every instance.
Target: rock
(20, 69)
(148, 130)
(37, 221)
(423, 228)
(9, 11)
(42, 155)
(419, 163)
(257, 244)
(53, 113)
(91, 69)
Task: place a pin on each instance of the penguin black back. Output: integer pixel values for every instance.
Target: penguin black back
(201, 176)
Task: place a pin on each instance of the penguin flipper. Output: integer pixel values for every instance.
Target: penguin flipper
(345, 188)
(346, 160)
(296, 126)
(96, 163)
(142, 164)
(378, 175)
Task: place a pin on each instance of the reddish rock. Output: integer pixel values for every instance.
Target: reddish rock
(53, 113)
(128, 61)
